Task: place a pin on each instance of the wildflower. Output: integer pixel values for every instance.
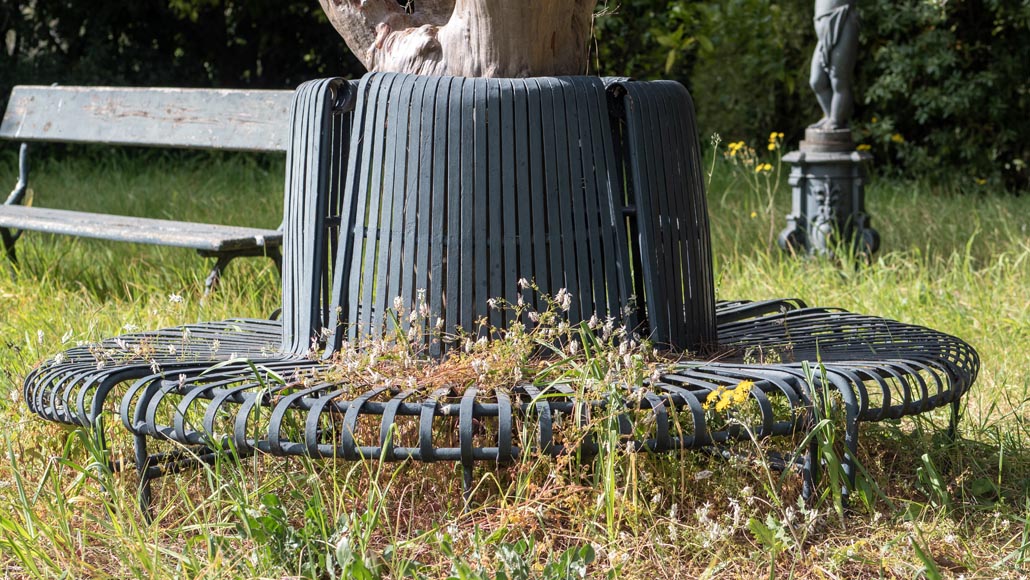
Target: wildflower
(492, 303)
(573, 347)
(763, 168)
(439, 323)
(398, 303)
(754, 214)
(534, 317)
(723, 398)
(130, 327)
(981, 181)
(593, 322)
(564, 299)
(39, 336)
(701, 475)
(523, 283)
(897, 138)
(874, 120)
(734, 148)
(175, 298)
(864, 147)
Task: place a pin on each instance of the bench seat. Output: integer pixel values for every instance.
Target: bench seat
(203, 237)
(437, 190)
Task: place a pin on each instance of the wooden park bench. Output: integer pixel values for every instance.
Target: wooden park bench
(231, 120)
(454, 189)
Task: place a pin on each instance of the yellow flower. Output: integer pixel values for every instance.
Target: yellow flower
(722, 398)
(763, 168)
(772, 146)
(713, 398)
(874, 119)
(754, 214)
(981, 181)
(742, 391)
(864, 147)
(897, 138)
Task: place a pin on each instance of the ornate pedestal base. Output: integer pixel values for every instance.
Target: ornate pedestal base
(827, 178)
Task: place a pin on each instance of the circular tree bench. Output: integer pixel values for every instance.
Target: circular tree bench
(453, 190)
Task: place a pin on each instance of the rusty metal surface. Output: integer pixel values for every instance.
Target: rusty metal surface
(241, 120)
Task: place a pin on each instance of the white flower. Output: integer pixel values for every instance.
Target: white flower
(564, 299)
(398, 304)
(573, 347)
(523, 283)
(175, 298)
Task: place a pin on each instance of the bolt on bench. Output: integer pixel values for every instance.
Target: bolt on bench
(231, 120)
(454, 189)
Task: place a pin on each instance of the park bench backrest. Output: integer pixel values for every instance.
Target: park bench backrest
(186, 118)
(320, 121)
(460, 187)
(656, 140)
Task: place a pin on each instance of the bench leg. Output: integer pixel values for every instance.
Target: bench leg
(277, 258)
(9, 239)
(956, 414)
(146, 475)
(216, 273)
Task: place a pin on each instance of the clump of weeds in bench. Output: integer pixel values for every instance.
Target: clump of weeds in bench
(954, 260)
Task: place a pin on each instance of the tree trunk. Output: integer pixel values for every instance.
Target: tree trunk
(474, 38)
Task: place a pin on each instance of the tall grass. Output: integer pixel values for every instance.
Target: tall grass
(958, 261)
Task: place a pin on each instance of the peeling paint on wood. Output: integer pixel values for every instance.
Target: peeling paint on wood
(239, 120)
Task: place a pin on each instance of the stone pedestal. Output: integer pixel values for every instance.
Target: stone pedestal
(827, 179)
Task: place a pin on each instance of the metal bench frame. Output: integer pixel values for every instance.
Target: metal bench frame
(336, 251)
(233, 120)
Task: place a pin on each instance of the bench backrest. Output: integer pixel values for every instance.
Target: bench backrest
(319, 121)
(239, 120)
(459, 188)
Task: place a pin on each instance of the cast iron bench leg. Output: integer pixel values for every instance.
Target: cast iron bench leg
(9, 239)
(216, 272)
(954, 419)
(211, 282)
(146, 473)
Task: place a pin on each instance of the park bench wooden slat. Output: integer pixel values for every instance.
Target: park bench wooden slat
(199, 236)
(240, 120)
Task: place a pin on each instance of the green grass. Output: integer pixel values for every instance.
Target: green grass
(958, 261)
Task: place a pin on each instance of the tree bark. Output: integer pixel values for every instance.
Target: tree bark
(473, 38)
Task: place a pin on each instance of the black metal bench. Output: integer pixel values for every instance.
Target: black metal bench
(236, 120)
(459, 187)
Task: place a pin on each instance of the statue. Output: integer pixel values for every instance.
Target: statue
(833, 62)
(827, 173)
